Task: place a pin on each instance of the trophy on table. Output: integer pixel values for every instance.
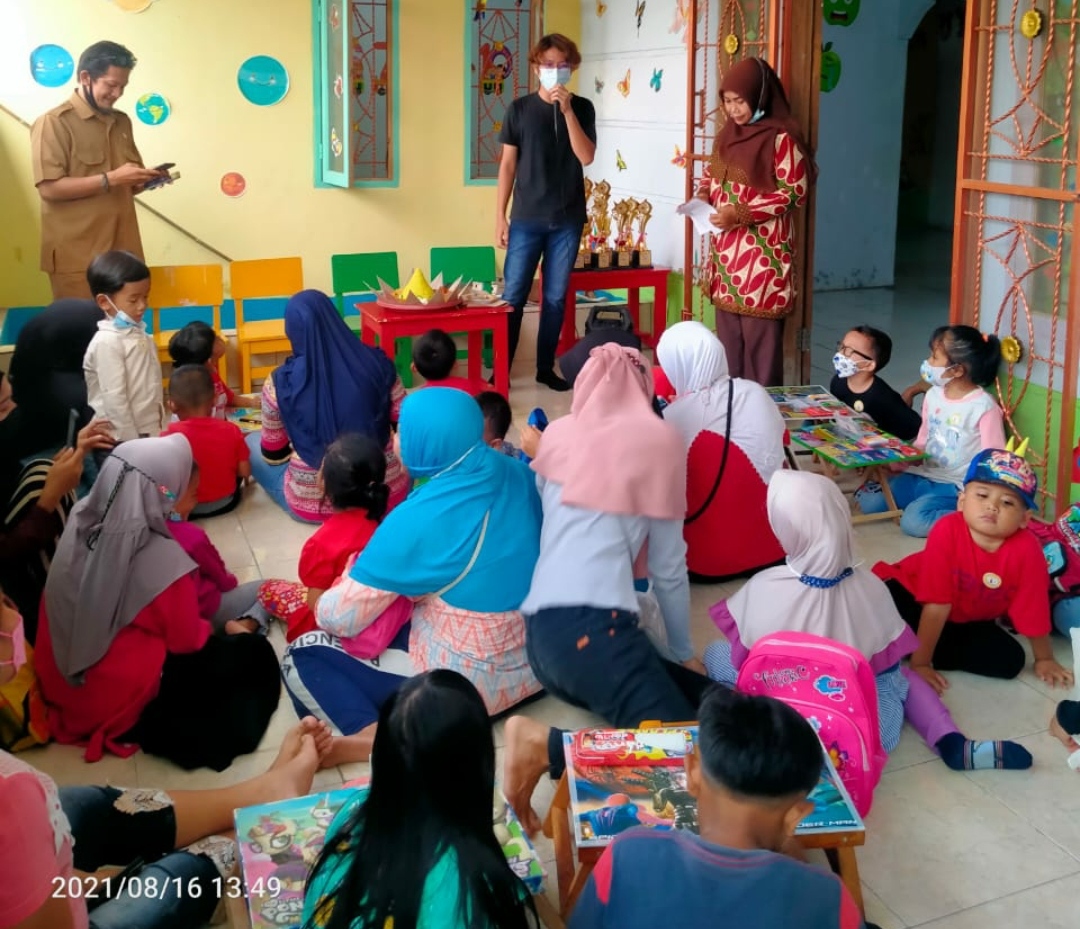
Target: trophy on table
(584, 254)
(600, 226)
(642, 254)
(624, 212)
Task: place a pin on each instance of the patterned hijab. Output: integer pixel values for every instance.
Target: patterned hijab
(751, 148)
(116, 554)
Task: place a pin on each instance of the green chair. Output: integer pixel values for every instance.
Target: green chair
(358, 274)
(470, 263)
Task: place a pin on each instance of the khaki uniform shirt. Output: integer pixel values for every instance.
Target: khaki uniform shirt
(74, 140)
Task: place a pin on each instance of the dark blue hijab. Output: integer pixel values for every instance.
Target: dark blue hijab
(331, 383)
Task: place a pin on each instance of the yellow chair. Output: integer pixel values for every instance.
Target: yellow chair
(263, 277)
(178, 286)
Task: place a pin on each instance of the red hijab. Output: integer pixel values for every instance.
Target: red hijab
(751, 147)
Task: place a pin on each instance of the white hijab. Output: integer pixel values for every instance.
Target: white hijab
(695, 362)
(812, 521)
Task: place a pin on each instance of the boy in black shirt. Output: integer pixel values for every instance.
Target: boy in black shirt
(546, 139)
(862, 353)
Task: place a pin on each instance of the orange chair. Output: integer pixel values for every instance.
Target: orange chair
(179, 286)
(263, 277)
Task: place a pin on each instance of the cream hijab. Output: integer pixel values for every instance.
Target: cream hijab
(116, 554)
(695, 363)
(819, 590)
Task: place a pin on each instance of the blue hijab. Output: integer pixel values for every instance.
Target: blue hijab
(331, 383)
(427, 540)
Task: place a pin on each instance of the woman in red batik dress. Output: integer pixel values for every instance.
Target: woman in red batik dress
(761, 169)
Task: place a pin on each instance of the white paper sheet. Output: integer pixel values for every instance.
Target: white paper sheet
(699, 212)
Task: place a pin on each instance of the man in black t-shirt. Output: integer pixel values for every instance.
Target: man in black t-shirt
(547, 137)
(861, 354)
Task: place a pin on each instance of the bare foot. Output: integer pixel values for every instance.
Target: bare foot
(351, 749)
(1061, 735)
(241, 626)
(293, 770)
(526, 762)
(321, 733)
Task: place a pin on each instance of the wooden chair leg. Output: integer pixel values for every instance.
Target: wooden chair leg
(844, 864)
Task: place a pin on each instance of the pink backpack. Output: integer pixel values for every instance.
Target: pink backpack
(832, 686)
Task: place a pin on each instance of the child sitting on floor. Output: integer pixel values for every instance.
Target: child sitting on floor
(821, 591)
(217, 446)
(353, 478)
(959, 420)
(497, 419)
(198, 344)
(123, 374)
(979, 567)
(860, 358)
(229, 606)
(419, 849)
(1065, 727)
(755, 762)
(434, 357)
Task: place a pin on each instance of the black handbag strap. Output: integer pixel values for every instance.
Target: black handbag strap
(723, 457)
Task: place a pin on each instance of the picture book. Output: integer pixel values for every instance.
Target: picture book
(646, 747)
(871, 447)
(797, 404)
(608, 799)
(249, 419)
(279, 842)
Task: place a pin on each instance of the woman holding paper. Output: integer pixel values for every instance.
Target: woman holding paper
(761, 169)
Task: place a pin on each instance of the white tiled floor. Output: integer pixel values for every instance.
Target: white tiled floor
(944, 849)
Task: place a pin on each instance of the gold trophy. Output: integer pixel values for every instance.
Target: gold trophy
(601, 226)
(642, 254)
(584, 254)
(623, 213)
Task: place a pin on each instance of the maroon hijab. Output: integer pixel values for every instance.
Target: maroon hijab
(751, 148)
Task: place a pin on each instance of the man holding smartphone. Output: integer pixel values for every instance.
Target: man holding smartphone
(87, 171)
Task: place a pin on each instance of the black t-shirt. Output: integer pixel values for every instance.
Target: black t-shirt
(883, 405)
(549, 185)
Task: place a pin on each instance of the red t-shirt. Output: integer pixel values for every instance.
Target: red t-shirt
(977, 584)
(218, 448)
(324, 555)
(469, 385)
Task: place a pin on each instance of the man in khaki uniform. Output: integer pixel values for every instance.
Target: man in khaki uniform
(87, 171)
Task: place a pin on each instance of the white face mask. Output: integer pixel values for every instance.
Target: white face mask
(550, 78)
(935, 374)
(845, 367)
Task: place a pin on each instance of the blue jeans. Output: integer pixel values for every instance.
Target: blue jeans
(1066, 615)
(924, 502)
(271, 477)
(558, 244)
(187, 884)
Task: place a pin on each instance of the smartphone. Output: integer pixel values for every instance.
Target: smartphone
(166, 166)
(538, 419)
(161, 180)
(73, 422)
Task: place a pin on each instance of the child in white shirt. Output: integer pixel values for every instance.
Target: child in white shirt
(123, 374)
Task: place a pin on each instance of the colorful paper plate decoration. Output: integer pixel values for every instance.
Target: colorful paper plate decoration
(152, 109)
(51, 65)
(233, 184)
(263, 80)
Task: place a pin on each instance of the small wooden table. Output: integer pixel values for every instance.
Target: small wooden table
(380, 325)
(840, 453)
(574, 865)
(632, 279)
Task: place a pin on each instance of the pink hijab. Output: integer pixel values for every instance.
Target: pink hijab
(613, 453)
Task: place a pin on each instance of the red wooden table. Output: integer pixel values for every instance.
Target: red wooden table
(633, 279)
(380, 325)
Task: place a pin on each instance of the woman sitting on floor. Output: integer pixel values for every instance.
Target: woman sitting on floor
(734, 437)
(123, 656)
(35, 500)
(462, 546)
(612, 477)
(332, 383)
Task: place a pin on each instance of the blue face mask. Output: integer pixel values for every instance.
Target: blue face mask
(121, 321)
(758, 114)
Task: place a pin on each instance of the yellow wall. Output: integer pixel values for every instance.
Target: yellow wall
(189, 50)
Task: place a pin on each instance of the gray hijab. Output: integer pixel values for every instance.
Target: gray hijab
(116, 554)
